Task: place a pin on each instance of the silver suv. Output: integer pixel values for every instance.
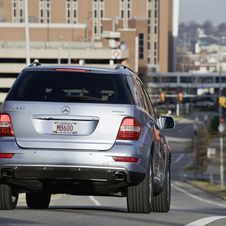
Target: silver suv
(83, 131)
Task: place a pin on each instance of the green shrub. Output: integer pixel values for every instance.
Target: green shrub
(214, 123)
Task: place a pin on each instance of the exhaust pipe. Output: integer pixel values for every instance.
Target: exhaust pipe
(7, 173)
(119, 176)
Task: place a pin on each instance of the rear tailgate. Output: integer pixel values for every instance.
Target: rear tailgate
(87, 126)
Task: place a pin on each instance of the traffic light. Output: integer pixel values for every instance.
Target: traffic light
(162, 97)
(180, 96)
(222, 101)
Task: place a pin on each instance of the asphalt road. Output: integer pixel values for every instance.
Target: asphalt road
(189, 206)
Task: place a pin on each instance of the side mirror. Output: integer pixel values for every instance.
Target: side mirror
(166, 122)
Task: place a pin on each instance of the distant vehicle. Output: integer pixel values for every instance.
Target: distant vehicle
(204, 103)
(164, 106)
(83, 131)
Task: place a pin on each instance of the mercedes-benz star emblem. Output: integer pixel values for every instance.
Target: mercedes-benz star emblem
(65, 110)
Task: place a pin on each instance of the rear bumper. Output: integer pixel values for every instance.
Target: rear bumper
(49, 165)
(79, 173)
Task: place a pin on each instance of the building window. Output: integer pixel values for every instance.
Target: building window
(21, 11)
(128, 9)
(68, 11)
(71, 12)
(149, 29)
(141, 46)
(14, 11)
(95, 18)
(122, 13)
(128, 14)
(48, 7)
(155, 29)
(98, 14)
(156, 13)
(41, 10)
(75, 8)
(122, 7)
(101, 13)
(149, 13)
(172, 79)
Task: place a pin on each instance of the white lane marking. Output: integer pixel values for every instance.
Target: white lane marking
(94, 200)
(178, 159)
(196, 197)
(205, 221)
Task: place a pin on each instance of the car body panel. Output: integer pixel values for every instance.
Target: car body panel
(93, 122)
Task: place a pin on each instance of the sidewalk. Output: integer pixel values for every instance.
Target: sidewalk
(205, 175)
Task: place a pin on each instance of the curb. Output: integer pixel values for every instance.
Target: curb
(209, 192)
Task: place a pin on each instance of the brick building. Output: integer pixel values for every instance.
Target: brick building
(137, 33)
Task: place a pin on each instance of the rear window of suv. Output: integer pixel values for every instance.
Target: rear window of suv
(58, 86)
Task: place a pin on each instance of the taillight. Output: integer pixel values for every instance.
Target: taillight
(6, 156)
(6, 128)
(125, 159)
(69, 69)
(130, 129)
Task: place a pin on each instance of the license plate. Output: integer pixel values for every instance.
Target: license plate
(65, 127)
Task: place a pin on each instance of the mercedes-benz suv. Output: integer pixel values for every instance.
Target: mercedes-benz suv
(83, 131)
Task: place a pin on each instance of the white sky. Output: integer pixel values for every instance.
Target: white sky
(202, 10)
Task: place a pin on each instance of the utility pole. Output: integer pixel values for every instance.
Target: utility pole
(27, 34)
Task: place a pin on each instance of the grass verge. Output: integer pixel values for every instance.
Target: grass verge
(206, 185)
(200, 168)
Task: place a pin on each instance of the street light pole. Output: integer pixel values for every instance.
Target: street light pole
(221, 129)
(195, 128)
(220, 107)
(59, 49)
(27, 34)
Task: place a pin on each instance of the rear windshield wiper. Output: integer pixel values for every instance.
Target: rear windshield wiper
(81, 98)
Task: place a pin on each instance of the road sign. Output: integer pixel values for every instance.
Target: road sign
(211, 153)
(116, 54)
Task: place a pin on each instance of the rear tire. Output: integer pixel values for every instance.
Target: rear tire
(161, 202)
(38, 200)
(140, 197)
(8, 197)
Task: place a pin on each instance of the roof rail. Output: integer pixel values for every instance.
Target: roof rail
(34, 64)
(125, 67)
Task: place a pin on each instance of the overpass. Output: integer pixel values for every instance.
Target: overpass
(186, 81)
